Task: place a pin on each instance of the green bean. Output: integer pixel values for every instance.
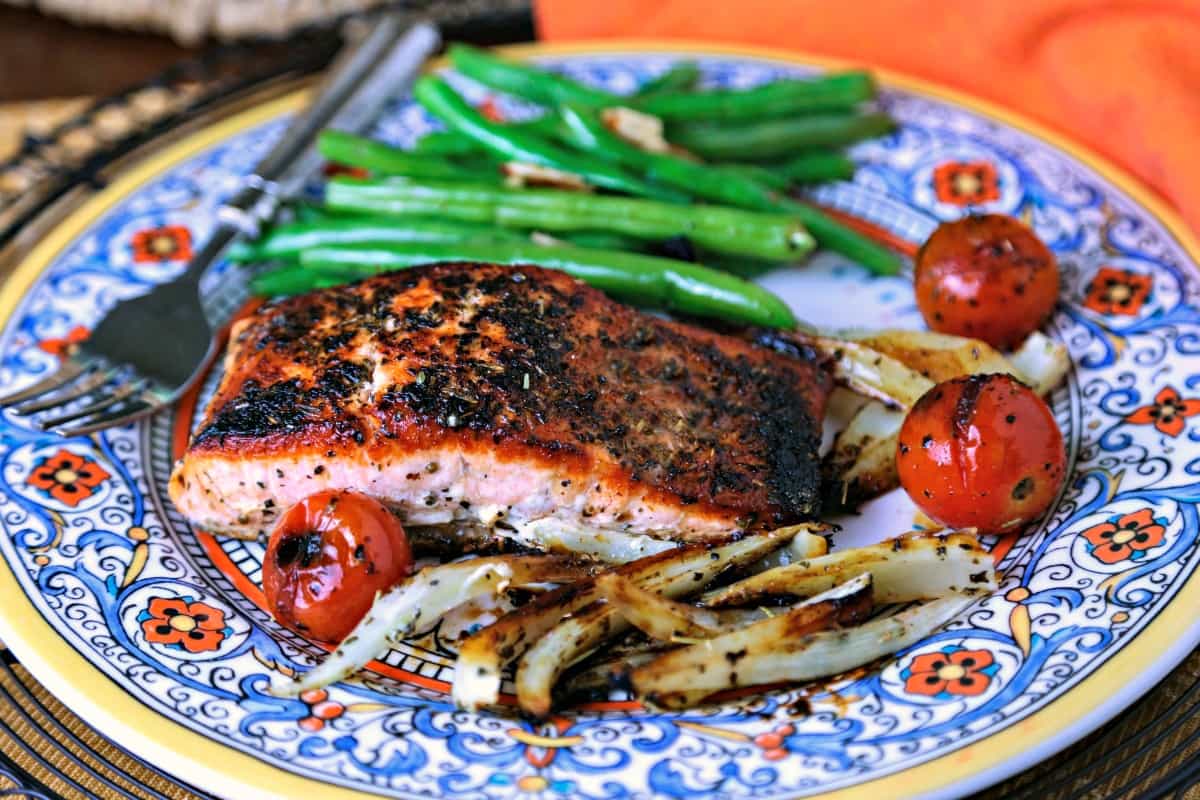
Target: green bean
(732, 187)
(648, 280)
(547, 125)
(453, 143)
(817, 166)
(843, 239)
(773, 138)
(781, 98)
(286, 242)
(292, 280)
(514, 144)
(447, 143)
(603, 240)
(812, 167)
(306, 212)
(289, 241)
(588, 133)
(530, 83)
(725, 186)
(679, 78)
(768, 177)
(729, 230)
(379, 158)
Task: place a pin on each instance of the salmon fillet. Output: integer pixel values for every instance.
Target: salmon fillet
(482, 395)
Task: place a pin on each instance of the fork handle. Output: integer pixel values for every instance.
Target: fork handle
(258, 199)
(221, 237)
(344, 77)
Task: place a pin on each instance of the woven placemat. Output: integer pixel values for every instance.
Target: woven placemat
(1150, 751)
(47, 752)
(18, 120)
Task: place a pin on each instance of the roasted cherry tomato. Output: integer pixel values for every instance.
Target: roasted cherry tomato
(981, 451)
(988, 277)
(327, 557)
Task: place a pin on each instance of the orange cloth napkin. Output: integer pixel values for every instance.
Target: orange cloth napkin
(1120, 77)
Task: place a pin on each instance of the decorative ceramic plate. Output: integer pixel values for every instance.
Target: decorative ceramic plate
(155, 633)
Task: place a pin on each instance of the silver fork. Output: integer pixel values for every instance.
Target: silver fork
(149, 350)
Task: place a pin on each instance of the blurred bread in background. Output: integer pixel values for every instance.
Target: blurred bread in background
(191, 21)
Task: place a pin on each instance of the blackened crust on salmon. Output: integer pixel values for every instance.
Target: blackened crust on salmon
(260, 411)
(528, 364)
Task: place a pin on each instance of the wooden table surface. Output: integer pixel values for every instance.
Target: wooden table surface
(49, 69)
(44, 58)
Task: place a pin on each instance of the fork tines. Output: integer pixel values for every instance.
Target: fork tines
(90, 394)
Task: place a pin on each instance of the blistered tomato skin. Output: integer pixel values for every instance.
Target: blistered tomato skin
(988, 277)
(982, 451)
(326, 559)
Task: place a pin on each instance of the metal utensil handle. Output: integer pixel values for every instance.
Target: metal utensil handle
(290, 159)
(397, 71)
(347, 73)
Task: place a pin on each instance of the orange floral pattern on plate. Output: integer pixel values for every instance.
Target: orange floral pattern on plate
(1125, 537)
(196, 627)
(67, 477)
(320, 709)
(60, 346)
(167, 243)
(1118, 292)
(1167, 413)
(960, 672)
(966, 183)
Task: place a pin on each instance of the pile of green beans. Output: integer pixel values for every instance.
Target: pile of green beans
(287, 242)
(516, 144)
(772, 138)
(446, 143)
(455, 144)
(785, 98)
(817, 166)
(724, 186)
(381, 159)
(777, 237)
(521, 80)
(679, 78)
(645, 280)
(316, 229)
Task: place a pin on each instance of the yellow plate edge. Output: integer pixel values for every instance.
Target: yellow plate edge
(220, 769)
